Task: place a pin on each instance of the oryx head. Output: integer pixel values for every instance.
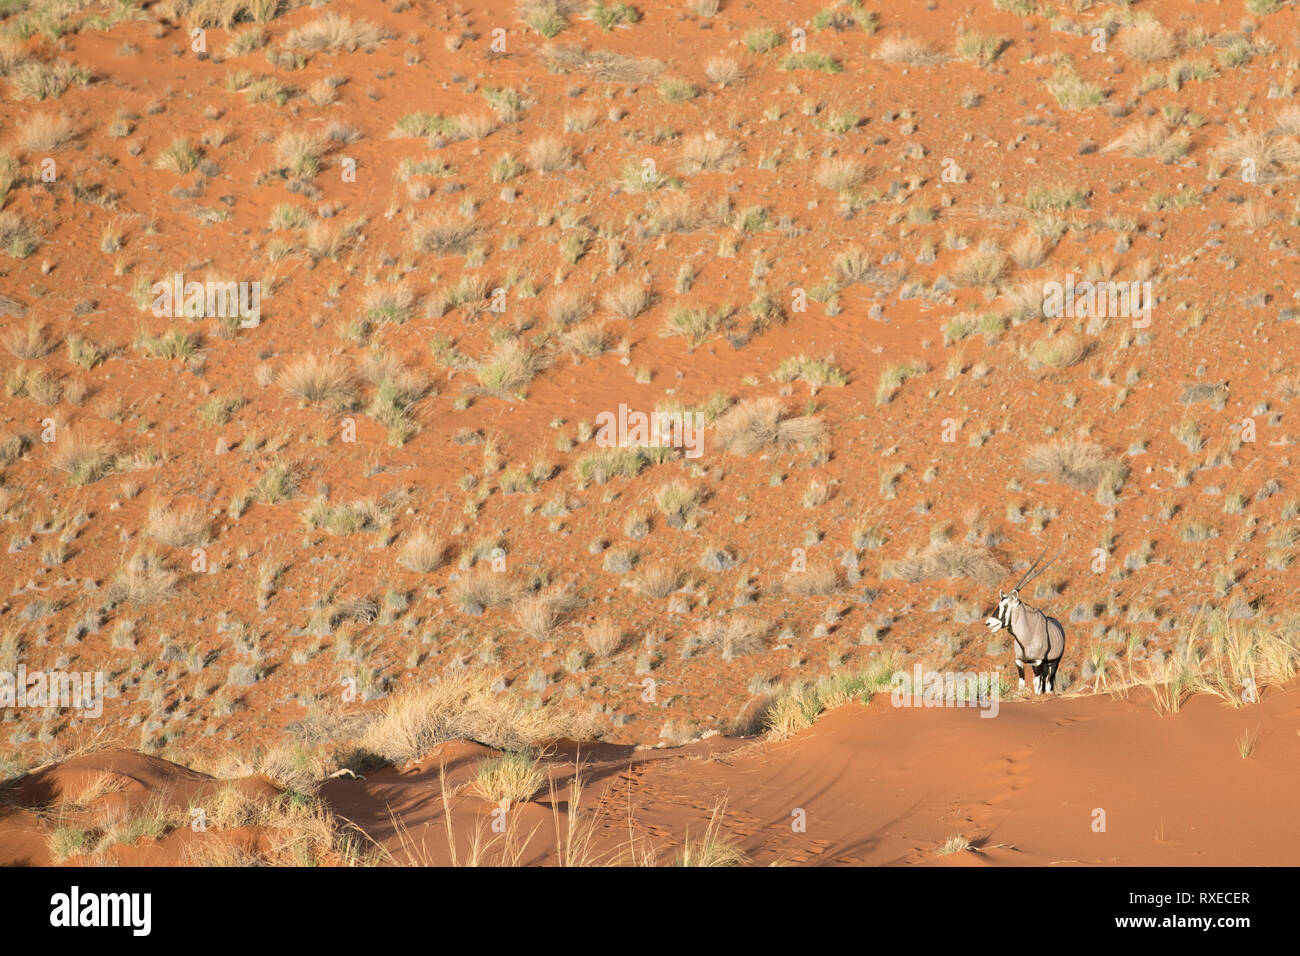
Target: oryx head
(1007, 603)
(1002, 615)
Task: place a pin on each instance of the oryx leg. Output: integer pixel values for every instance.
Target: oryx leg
(1040, 677)
(1049, 675)
(1024, 668)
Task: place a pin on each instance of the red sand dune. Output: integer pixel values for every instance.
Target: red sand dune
(877, 784)
(835, 265)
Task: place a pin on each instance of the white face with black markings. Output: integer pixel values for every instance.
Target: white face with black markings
(1002, 615)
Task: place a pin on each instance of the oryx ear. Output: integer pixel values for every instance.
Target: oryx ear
(1000, 594)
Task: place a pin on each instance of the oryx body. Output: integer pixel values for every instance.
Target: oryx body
(1040, 640)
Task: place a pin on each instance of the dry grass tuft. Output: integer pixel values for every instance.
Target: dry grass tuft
(144, 579)
(178, 527)
(1148, 40)
(947, 561)
(300, 151)
(1081, 465)
(706, 153)
(980, 267)
(445, 235)
(1237, 661)
(45, 133)
(539, 614)
(1264, 153)
(18, 237)
(320, 380)
(724, 71)
(12, 54)
(714, 848)
(796, 707)
(840, 176)
(657, 581)
(819, 580)
(83, 459)
(332, 33)
(764, 424)
(422, 553)
(628, 301)
(604, 637)
(734, 636)
(549, 154)
(484, 588)
(1059, 351)
(28, 342)
(509, 779)
(476, 125)
(509, 369)
(1151, 140)
(1287, 121)
(605, 66)
(465, 706)
(908, 50)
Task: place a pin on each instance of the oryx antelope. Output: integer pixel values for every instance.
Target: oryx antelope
(1040, 640)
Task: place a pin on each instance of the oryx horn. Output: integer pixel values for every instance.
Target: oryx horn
(1031, 573)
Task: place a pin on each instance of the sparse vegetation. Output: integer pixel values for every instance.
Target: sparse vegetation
(1072, 91)
(947, 561)
(825, 241)
(82, 458)
(1080, 465)
(320, 380)
(764, 424)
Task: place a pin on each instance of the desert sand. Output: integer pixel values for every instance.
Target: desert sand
(327, 331)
